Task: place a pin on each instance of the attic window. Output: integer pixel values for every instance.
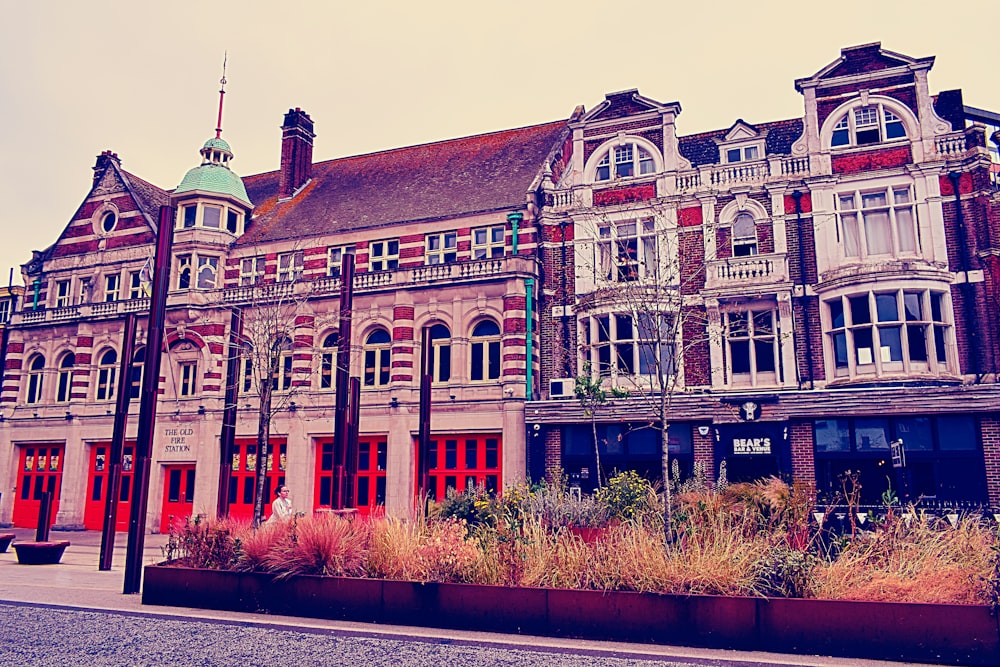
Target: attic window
(629, 160)
(866, 125)
(744, 154)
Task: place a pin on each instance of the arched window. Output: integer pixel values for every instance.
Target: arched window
(624, 161)
(36, 369)
(328, 361)
(866, 125)
(282, 381)
(106, 375)
(744, 235)
(485, 352)
(440, 353)
(138, 364)
(378, 354)
(65, 385)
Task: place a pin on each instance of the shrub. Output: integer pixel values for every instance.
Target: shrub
(629, 496)
(324, 544)
(204, 544)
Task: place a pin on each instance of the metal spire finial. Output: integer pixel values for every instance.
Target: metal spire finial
(222, 94)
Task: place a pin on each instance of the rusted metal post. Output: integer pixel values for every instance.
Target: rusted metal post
(147, 403)
(228, 437)
(117, 444)
(424, 433)
(338, 497)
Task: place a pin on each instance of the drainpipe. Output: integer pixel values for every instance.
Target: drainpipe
(529, 286)
(797, 196)
(37, 286)
(971, 318)
(515, 221)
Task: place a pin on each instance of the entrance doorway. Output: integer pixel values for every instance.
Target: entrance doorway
(40, 470)
(97, 485)
(178, 495)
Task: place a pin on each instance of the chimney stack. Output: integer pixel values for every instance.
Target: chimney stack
(103, 161)
(296, 152)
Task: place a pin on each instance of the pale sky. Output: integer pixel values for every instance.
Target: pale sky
(142, 79)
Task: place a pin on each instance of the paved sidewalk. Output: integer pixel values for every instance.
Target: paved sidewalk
(77, 583)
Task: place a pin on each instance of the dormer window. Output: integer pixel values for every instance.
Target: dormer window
(867, 125)
(624, 161)
(212, 217)
(744, 154)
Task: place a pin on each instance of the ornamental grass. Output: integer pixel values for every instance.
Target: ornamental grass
(748, 540)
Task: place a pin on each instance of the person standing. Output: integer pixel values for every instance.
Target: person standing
(281, 508)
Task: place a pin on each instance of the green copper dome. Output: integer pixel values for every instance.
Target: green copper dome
(212, 177)
(216, 142)
(214, 174)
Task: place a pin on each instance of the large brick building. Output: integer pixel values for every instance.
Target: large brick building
(828, 285)
(806, 290)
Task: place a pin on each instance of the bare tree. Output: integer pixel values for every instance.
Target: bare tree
(639, 313)
(269, 315)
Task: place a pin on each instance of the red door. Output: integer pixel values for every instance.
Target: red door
(463, 461)
(40, 470)
(97, 485)
(178, 495)
(242, 481)
(369, 487)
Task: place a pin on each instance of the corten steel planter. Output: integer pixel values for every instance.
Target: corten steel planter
(5, 540)
(40, 553)
(941, 634)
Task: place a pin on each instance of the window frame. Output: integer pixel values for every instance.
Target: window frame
(112, 287)
(64, 383)
(857, 221)
(624, 159)
(614, 244)
(35, 379)
(328, 361)
(107, 369)
(377, 356)
(252, 270)
(187, 371)
(743, 246)
(63, 293)
(387, 257)
(752, 333)
(616, 349)
(334, 259)
(489, 247)
(485, 352)
(291, 265)
(928, 333)
(211, 264)
(440, 248)
(441, 367)
(844, 131)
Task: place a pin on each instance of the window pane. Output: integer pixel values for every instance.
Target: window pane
(957, 432)
(916, 433)
(836, 313)
(860, 310)
(740, 352)
(886, 308)
(878, 233)
(911, 305)
(764, 355)
(917, 341)
(852, 242)
(870, 434)
(904, 224)
(832, 435)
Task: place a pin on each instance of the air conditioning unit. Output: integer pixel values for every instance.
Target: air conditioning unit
(562, 388)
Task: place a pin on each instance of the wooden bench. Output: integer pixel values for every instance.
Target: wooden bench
(5, 540)
(40, 553)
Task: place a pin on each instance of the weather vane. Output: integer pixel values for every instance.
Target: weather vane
(222, 94)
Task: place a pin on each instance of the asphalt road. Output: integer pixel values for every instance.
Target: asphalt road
(33, 635)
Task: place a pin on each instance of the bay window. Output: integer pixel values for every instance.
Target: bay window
(626, 251)
(752, 347)
(875, 333)
(881, 222)
(621, 344)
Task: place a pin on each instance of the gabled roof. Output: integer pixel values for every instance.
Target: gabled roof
(627, 103)
(704, 148)
(147, 197)
(487, 172)
(864, 59)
